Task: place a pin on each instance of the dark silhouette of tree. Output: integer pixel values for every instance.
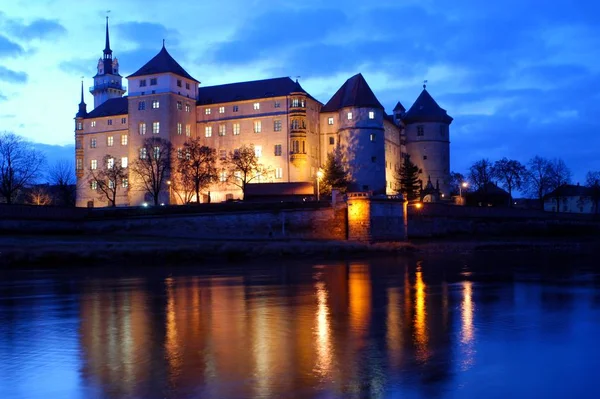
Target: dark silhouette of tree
(559, 174)
(407, 179)
(455, 183)
(20, 165)
(196, 167)
(62, 175)
(108, 179)
(480, 174)
(242, 167)
(592, 180)
(335, 176)
(537, 180)
(153, 166)
(511, 175)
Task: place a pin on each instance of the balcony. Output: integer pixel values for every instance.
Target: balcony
(108, 85)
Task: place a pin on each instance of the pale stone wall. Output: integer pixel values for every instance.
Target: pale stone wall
(393, 155)
(165, 83)
(575, 204)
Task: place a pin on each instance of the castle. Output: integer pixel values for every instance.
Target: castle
(291, 131)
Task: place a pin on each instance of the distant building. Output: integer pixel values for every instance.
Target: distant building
(488, 195)
(571, 198)
(291, 131)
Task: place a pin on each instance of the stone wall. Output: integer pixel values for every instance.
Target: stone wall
(375, 218)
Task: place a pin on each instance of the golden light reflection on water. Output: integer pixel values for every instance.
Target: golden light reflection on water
(171, 344)
(420, 322)
(360, 298)
(394, 336)
(467, 331)
(322, 332)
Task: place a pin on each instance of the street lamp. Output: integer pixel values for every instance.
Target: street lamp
(319, 177)
(169, 184)
(460, 187)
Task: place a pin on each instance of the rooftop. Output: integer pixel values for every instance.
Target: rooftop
(114, 106)
(425, 109)
(162, 62)
(265, 88)
(355, 92)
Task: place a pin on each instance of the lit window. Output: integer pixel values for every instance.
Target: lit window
(141, 105)
(156, 152)
(178, 82)
(155, 127)
(179, 129)
(236, 108)
(93, 123)
(207, 111)
(110, 141)
(256, 106)
(142, 128)
(179, 153)
(371, 115)
(236, 129)
(279, 173)
(179, 105)
(110, 163)
(331, 140)
(223, 176)
(187, 107)
(153, 82)
(125, 183)
(143, 153)
(295, 102)
(222, 130)
(188, 154)
(123, 139)
(111, 184)
(142, 82)
(372, 137)
(79, 164)
(208, 131)
(188, 130)
(109, 122)
(123, 121)
(124, 162)
(420, 130)
(237, 174)
(277, 150)
(277, 104)
(79, 126)
(155, 104)
(330, 121)
(257, 127)
(349, 116)
(93, 164)
(277, 126)
(92, 143)
(94, 185)
(258, 151)
(221, 110)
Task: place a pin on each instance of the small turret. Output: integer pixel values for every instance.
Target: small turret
(107, 82)
(82, 105)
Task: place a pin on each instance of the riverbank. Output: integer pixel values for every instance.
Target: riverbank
(78, 251)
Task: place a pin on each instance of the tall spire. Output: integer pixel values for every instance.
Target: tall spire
(107, 49)
(82, 106)
(82, 102)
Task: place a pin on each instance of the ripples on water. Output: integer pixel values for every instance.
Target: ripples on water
(468, 327)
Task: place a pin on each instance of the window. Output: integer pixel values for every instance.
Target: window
(141, 105)
(372, 137)
(295, 124)
(156, 152)
(92, 143)
(109, 122)
(187, 107)
(373, 159)
(258, 151)
(295, 146)
(330, 121)
(188, 130)
(178, 82)
(79, 126)
(371, 115)
(153, 82)
(257, 127)
(142, 82)
(179, 105)
(93, 164)
(222, 130)
(78, 144)
(110, 141)
(110, 163)
(236, 129)
(424, 157)
(187, 85)
(349, 116)
(93, 123)
(420, 130)
(223, 176)
(123, 121)
(279, 173)
(94, 185)
(256, 106)
(277, 104)
(125, 183)
(331, 140)
(221, 110)
(207, 111)
(124, 162)
(188, 154)
(155, 127)
(277, 126)
(222, 154)
(79, 164)
(295, 102)
(208, 131)
(143, 153)
(277, 150)
(142, 128)
(179, 128)
(179, 153)
(155, 104)
(111, 184)
(236, 108)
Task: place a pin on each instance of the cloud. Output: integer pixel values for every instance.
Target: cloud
(3, 98)
(8, 75)
(9, 48)
(85, 67)
(147, 35)
(38, 29)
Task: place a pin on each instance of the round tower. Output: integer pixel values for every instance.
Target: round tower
(427, 132)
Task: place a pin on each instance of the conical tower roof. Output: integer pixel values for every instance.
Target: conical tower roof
(162, 62)
(425, 109)
(399, 107)
(82, 106)
(354, 93)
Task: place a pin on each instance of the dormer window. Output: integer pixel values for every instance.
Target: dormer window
(153, 82)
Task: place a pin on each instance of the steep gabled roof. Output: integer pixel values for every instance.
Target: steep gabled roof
(114, 106)
(571, 190)
(354, 93)
(425, 109)
(266, 88)
(399, 107)
(162, 63)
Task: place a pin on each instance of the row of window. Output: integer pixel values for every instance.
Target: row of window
(109, 122)
(110, 163)
(330, 120)
(223, 176)
(142, 128)
(111, 184)
(156, 105)
(296, 102)
(154, 82)
(421, 130)
(109, 141)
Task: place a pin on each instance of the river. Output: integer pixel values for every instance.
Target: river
(490, 324)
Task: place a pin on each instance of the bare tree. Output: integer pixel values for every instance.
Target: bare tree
(510, 173)
(39, 196)
(108, 179)
(20, 165)
(196, 167)
(592, 180)
(242, 167)
(62, 175)
(537, 180)
(455, 182)
(559, 173)
(481, 173)
(153, 166)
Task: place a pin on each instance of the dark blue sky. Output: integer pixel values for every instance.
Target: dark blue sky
(520, 77)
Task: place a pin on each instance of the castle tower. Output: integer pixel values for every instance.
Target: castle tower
(354, 125)
(107, 82)
(427, 132)
(81, 114)
(298, 138)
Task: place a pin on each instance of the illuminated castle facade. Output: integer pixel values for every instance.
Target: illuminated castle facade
(291, 131)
